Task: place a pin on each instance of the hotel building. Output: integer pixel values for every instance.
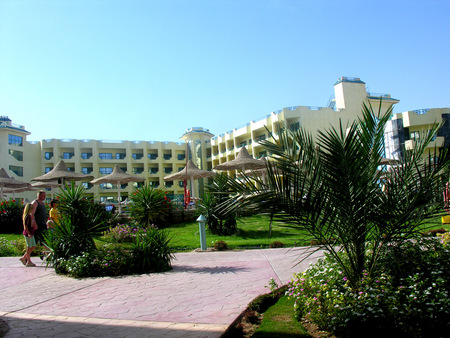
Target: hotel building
(25, 160)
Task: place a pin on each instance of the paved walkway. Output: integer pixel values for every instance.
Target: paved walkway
(200, 297)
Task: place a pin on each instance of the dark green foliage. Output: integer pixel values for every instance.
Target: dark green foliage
(11, 217)
(82, 219)
(406, 297)
(219, 220)
(220, 245)
(333, 190)
(109, 260)
(276, 244)
(151, 252)
(150, 206)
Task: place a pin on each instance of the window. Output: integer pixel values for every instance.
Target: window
(138, 184)
(105, 156)
(18, 155)
(86, 185)
(86, 156)
(16, 170)
(181, 184)
(138, 170)
(153, 170)
(167, 156)
(120, 156)
(169, 184)
(67, 155)
(15, 140)
(243, 144)
(71, 168)
(181, 157)
(260, 137)
(415, 135)
(48, 155)
(167, 170)
(137, 156)
(106, 186)
(152, 156)
(154, 184)
(86, 170)
(47, 169)
(106, 171)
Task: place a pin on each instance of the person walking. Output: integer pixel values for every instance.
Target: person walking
(28, 233)
(39, 218)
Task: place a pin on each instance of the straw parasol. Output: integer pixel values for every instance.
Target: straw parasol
(60, 172)
(242, 162)
(18, 190)
(118, 176)
(9, 182)
(189, 172)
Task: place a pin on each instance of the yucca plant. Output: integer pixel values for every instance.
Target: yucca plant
(150, 206)
(82, 219)
(218, 221)
(151, 251)
(333, 190)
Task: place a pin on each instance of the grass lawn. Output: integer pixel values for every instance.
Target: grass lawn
(253, 232)
(279, 321)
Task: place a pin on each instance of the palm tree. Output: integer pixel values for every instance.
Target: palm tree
(333, 190)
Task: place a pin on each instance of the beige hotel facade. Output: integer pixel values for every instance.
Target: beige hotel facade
(25, 160)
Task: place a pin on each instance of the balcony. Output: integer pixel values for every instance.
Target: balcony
(437, 143)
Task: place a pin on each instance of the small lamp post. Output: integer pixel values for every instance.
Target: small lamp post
(201, 227)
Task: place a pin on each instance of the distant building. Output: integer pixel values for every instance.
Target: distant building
(405, 129)
(25, 160)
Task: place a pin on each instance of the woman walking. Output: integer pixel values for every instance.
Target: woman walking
(28, 233)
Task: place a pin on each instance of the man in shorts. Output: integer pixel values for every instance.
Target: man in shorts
(39, 217)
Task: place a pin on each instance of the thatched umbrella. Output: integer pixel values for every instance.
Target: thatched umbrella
(9, 182)
(190, 172)
(60, 172)
(118, 176)
(243, 161)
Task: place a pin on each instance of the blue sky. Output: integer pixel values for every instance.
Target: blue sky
(148, 70)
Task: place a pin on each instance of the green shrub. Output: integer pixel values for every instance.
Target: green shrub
(219, 220)
(276, 244)
(151, 252)
(109, 260)
(409, 303)
(7, 248)
(81, 220)
(150, 206)
(220, 245)
(11, 216)
(123, 233)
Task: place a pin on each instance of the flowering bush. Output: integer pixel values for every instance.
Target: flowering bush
(7, 248)
(109, 260)
(412, 302)
(445, 238)
(149, 253)
(11, 216)
(122, 233)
